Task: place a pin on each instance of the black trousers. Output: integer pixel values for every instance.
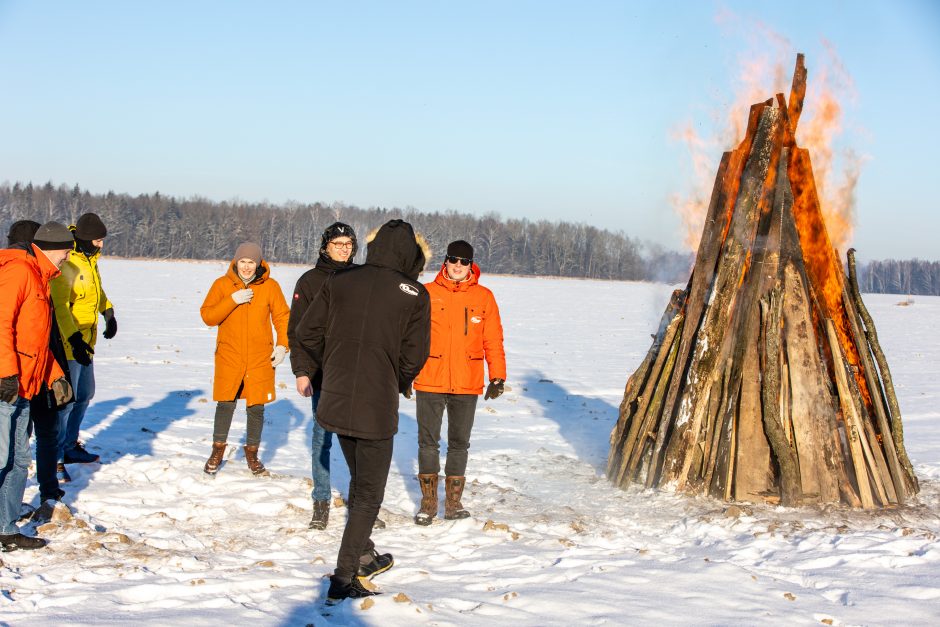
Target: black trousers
(369, 462)
(45, 421)
(430, 412)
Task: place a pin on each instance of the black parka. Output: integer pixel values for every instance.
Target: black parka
(308, 286)
(370, 332)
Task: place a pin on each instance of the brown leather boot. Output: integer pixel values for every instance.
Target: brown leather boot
(254, 464)
(215, 459)
(453, 490)
(428, 509)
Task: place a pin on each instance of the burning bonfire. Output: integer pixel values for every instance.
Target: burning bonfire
(761, 384)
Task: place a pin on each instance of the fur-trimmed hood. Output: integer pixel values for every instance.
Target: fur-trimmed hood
(396, 245)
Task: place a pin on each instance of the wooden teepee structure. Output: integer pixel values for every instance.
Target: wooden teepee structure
(761, 384)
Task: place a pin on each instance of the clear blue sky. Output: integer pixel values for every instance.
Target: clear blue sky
(555, 110)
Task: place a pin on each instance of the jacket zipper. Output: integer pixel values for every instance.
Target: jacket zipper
(465, 322)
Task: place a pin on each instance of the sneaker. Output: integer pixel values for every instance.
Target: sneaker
(62, 474)
(14, 541)
(78, 455)
(376, 565)
(321, 515)
(341, 590)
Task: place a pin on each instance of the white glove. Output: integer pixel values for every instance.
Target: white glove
(242, 296)
(277, 355)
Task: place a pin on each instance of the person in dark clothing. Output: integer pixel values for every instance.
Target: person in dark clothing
(337, 249)
(369, 331)
(43, 410)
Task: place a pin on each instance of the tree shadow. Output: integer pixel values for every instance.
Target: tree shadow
(584, 422)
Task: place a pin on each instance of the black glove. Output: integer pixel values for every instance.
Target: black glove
(494, 389)
(81, 351)
(9, 389)
(110, 323)
(62, 391)
(408, 392)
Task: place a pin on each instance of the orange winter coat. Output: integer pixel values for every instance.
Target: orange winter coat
(26, 319)
(465, 331)
(244, 344)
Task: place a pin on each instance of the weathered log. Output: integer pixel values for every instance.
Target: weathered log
(869, 377)
(812, 413)
(701, 283)
(653, 418)
(897, 427)
(732, 266)
(797, 94)
(644, 414)
(791, 489)
(853, 423)
(635, 385)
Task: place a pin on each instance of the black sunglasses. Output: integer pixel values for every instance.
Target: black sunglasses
(461, 260)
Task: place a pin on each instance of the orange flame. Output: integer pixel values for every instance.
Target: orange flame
(759, 77)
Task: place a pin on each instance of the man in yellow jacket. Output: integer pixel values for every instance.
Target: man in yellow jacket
(79, 298)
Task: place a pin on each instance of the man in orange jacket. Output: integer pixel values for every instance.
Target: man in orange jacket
(27, 366)
(465, 331)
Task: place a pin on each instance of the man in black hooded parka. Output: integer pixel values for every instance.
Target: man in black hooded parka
(370, 333)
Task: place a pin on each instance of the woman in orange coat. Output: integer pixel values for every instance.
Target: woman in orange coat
(465, 331)
(243, 304)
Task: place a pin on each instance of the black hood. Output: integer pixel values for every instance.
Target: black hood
(395, 246)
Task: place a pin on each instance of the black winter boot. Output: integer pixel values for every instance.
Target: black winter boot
(372, 564)
(341, 590)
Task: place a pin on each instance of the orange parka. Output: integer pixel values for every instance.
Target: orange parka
(26, 319)
(465, 331)
(244, 344)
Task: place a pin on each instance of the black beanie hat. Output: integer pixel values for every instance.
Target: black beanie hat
(89, 227)
(338, 229)
(22, 232)
(460, 248)
(53, 236)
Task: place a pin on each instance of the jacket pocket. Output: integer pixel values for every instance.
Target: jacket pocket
(475, 367)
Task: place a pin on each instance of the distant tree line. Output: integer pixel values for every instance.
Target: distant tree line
(913, 276)
(164, 227)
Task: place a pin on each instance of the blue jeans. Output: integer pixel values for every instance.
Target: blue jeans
(14, 461)
(321, 443)
(70, 416)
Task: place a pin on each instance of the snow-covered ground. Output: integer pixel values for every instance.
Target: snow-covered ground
(550, 542)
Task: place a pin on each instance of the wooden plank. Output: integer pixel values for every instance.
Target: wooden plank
(894, 409)
(732, 266)
(791, 489)
(797, 94)
(812, 412)
(852, 421)
(897, 475)
(635, 441)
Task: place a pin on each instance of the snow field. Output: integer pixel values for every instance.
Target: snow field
(550, 542)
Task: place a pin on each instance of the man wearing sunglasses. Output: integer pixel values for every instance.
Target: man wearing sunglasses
(465, 331)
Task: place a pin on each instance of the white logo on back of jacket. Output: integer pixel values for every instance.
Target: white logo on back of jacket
(411, 290)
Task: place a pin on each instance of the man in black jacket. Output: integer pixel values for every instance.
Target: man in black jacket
(369, 330)
(337, 249)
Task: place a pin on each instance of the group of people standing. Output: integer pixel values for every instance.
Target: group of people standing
(359, 336)
(52, 298)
